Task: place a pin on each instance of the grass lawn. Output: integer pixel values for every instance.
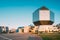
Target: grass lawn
(50, 36)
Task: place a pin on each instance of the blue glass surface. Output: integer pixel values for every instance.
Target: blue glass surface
(51, 16)
(36, 15)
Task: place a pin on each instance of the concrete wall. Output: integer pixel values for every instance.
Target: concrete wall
(46, 28)
(26, 29)
(44, 15)
(20, 31)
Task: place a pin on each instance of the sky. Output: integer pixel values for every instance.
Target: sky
(16, 13)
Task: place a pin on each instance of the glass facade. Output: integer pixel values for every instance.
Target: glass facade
(36, 16)
(43, 17)
(51, 16)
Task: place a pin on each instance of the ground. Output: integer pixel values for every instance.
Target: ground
(18, 36)
(50, 36)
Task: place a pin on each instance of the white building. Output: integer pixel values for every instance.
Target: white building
(20, 29)
(26, 29)
(43, 18)
(4, 29)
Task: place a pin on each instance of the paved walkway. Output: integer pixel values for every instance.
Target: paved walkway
(17, 36)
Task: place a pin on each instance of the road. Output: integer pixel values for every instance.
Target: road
(18, 36)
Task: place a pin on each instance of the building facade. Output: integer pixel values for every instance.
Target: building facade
(4, 29)
(43, 18)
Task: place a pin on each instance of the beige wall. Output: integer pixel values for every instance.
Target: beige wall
(26, 29)
(44, 15)
(46, 28)
(20, 30)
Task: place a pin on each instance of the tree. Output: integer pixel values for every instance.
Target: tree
(58, 25)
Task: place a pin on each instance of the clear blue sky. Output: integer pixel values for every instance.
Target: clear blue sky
(14, 13)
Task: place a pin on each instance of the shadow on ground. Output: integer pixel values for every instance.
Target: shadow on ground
(34, 38)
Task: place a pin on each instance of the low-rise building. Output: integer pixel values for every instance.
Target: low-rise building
(12, 30)
(4, 29)
(48, 28)
(26, 29)
(36, 29)
(20, 29)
